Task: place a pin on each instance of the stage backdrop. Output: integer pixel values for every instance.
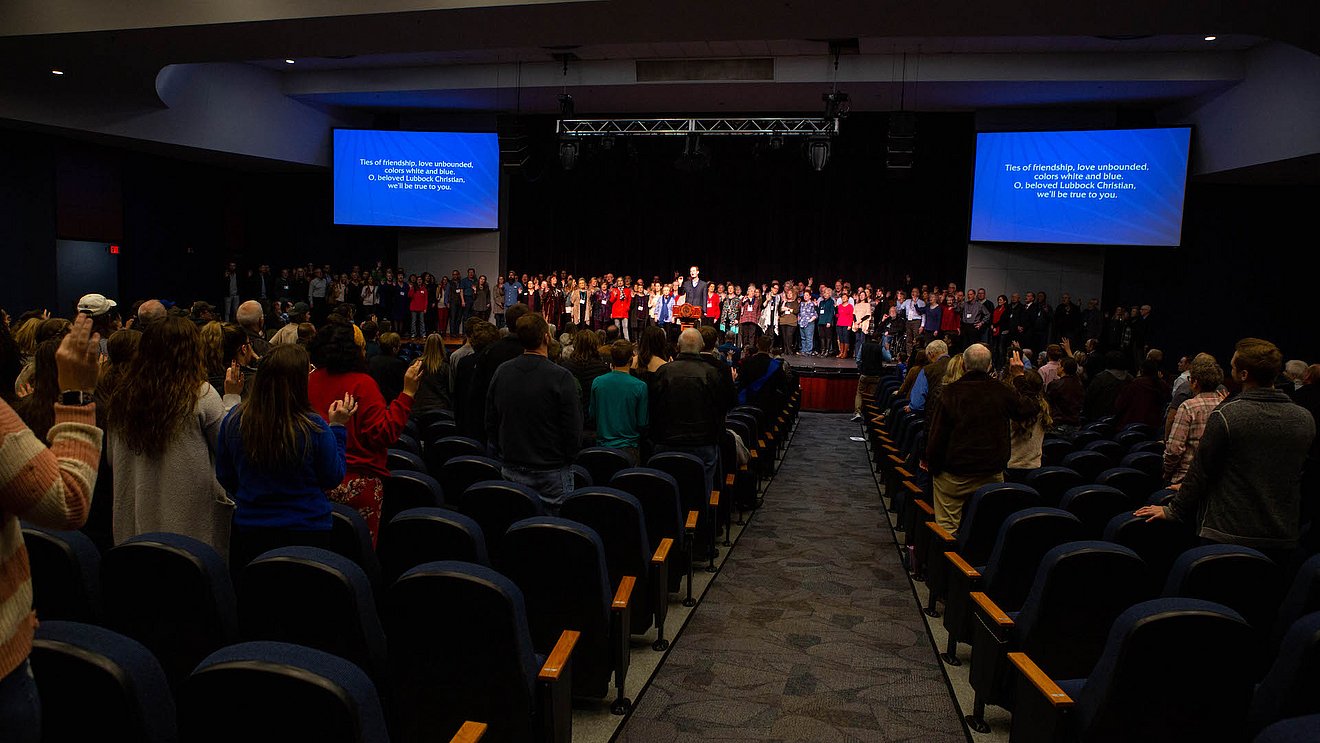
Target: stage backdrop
(754, 212)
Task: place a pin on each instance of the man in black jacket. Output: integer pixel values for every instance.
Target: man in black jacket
(688, 404)
(967, 445)
(470, 397)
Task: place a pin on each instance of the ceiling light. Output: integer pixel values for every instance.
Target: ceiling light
(57, 72)
(288, 61)
(1211, 38)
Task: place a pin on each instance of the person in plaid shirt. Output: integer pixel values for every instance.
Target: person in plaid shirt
(1206, 379)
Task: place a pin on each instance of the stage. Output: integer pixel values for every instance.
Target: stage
(829, 385)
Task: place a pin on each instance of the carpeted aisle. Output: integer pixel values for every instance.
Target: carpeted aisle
(810, 631)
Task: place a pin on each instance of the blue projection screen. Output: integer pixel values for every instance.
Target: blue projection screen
(1112, 187)
(416, 179)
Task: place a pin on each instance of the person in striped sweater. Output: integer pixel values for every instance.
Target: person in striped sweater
(50, 487)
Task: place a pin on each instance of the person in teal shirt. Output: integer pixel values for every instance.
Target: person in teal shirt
(619, 404)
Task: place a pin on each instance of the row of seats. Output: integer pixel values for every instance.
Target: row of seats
(593, 569)
(96, 682)
(1132, 625)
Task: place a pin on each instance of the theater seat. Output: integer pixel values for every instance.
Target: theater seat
(274, 692)
(1296, 730)
(1076, 593)
(439, 451)
(1006, 576)
(658, 493)
(1110, 449)
(1051, 483)
(496, 505)
(1095, 505)
(1158, 542)
(461, 650)
(1052, 451)
(688, 471)
(1237, 577)
(66, 568)
(1173, 669)
(96, 684)
(560, 567)
(1087, 463)
(406, 489)
(602, 463)
(1134, 483)
(1292, 686)
(172, 594)
(1303, 597)
(465, 470)
(618, 518)
(1148, 447)
(316, 598)
(351, 537)
(403, 460)
(1149, 462)
(984, 514)
(422, 535)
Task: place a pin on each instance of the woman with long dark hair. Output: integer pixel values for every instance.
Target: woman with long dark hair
(163, 422)
(481, 299)
(341, 370)
(433, 392)
(37, 408)
(277, 457)
(1027, 435)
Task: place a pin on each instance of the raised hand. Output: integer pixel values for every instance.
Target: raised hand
(234, 380)
(342, 410)
(78, 356)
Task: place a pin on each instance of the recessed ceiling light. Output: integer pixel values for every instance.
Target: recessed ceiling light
(288, 61)
(57, 72)
(1211, 38)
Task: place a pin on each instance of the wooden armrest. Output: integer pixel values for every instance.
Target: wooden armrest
(755, 454)
(912, 488)
(691, 521)
(714, 498)
(1043, 683)
(940, 533)
(897, 459)
(624, 595)
(962, 565)
(922, 505)
(742, 468)
(662, 552)
(991, 609)
(471, 732)
(902, 472)
(890, 448)
(563, 650)
(728, 480)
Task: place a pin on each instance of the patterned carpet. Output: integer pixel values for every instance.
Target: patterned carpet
(810, 631)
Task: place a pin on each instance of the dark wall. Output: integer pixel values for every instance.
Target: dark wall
(177, 220)
(1246, 268)
(754, 213)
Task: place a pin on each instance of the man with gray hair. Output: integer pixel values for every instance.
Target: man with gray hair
(688, 405)
(967, 445)
(930, 378)
(150, 311)
(252, 319)
(1293, 371)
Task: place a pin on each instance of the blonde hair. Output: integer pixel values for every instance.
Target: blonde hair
(955, 370)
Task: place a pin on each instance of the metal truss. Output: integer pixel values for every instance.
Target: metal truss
(779, 127)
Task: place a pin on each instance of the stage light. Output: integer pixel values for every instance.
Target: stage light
(818, 153)
(1211, 38)
(568, 153)
(837, 104)
(565, 106)
(776, 143)
(57, 72)
(288, 61)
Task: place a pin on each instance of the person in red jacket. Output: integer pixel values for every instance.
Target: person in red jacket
(620, 298)
(340, 370)
(713, 301)
(951, 323)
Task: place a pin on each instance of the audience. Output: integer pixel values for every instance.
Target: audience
(1243, 483)
(1065, 396)
(1188, 425)
(1027, 435)
(386, 367)
(688, 405)
(163, 423)
(48, 487)
(534, 417)
(276, 458)
(618, 404)
(1103, 391)
(433, 391)
(967, 443)
(1144, 400)
(931, 376)
(340, 372)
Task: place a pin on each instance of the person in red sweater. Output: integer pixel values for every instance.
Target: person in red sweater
(50, 487)
(713, 301)
(951, 323)
(620, 298)
(341, 370)
(418, 299)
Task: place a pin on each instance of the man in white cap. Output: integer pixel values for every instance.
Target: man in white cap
(105, 319)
